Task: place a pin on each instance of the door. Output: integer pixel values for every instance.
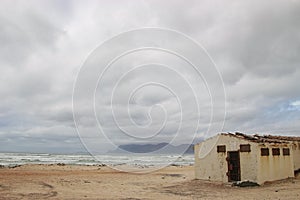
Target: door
(234, 170)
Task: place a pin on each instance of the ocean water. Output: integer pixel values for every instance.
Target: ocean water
(13, 159)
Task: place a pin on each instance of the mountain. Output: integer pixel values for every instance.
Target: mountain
(160, 148)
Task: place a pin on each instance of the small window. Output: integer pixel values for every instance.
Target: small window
(221, 148)
(275, 151)
(264, 151)
(245, 148)
(286, 151)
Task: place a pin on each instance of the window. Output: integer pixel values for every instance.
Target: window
(245, 148)
(286, 151)
(275, 151)
(264, 151)
(221, 148)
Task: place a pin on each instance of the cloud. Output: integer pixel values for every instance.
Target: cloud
(254, 44)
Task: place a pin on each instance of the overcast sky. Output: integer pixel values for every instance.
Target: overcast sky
(254, 44)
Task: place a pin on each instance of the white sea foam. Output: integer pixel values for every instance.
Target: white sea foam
(12, 159)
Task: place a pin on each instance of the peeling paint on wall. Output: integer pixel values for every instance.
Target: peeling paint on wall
(253, 167)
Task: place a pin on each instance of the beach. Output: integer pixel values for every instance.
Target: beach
(56, 181)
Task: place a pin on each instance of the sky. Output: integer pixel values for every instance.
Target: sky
(52, 54)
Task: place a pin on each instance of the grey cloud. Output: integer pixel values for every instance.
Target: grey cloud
(25, 33)
(43, 44)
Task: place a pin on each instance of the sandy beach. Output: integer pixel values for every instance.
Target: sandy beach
(100, 182)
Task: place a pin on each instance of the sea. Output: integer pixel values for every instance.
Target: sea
(16, 159)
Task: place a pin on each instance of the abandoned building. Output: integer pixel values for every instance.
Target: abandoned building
(229, 157)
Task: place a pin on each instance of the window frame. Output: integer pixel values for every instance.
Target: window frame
(264, 151)
(276, 151)
(221, 148)
(245, 148)
(286, 152)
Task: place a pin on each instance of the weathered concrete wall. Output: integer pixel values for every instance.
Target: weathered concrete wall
(271, 168)
(296, 155)
(211, 165)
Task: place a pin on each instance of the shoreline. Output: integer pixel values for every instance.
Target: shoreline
(139, 161)
(12, 166)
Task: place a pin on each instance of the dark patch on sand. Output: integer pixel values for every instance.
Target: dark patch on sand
(46, 185)
(131, 199)
(39, 195)
(174, 175)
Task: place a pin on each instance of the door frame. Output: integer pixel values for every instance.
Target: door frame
(229, 166)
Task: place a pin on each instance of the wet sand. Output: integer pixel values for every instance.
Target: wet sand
(97, 182)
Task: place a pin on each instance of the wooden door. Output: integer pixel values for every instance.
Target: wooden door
(234, 170)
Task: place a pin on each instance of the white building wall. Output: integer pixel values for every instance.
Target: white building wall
(271, 168)
(296, 157)
(211, 165)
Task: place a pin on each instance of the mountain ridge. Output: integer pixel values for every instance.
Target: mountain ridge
(160, 148)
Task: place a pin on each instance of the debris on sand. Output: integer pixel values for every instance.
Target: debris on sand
(245, 184)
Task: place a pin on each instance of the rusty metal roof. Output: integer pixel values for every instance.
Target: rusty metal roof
(265, 138)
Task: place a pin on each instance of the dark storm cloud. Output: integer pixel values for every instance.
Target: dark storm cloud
(255, 44)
